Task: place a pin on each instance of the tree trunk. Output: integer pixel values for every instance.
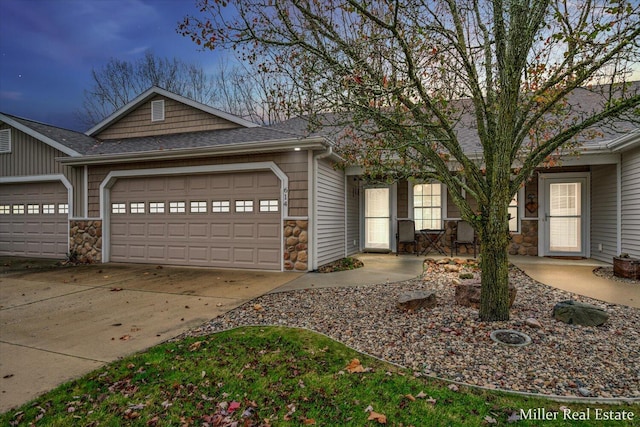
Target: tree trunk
(494, 241)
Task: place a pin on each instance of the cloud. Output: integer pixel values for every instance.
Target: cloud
(11, 95)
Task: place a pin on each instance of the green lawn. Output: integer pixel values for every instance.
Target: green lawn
(279, 377)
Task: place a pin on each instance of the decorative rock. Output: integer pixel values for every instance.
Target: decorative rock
(584, 391)
(468, 294)
(452, 268)
(456, 282)
(579, 313)
(533, 323)
(414, 300)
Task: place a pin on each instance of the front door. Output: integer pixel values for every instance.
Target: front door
(565, 219)
(377, 219)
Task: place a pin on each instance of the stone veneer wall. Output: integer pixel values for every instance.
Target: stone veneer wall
(85, 240)
(296, 241)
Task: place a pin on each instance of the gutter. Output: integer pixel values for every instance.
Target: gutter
(187, 153)
(625, 142)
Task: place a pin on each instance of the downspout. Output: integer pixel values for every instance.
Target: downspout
(619, 206)
(312, 217)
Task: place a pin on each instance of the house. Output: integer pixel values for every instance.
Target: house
(166, 180)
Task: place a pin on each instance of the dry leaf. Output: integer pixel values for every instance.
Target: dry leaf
(453, 387)
(257, 307)
(354, 366)
(196, 345)
(368, 409)
(374, 416)
(421, 395)
(410, 397)
(490, 420)
(308, 421)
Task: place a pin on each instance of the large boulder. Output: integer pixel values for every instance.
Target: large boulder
(414, 300)
(579, 313)
(468, 294)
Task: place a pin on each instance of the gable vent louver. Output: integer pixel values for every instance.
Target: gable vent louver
(157, 111)
(5, 141)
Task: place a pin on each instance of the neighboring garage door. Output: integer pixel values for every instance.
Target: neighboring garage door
(34, 220)
(229, 220)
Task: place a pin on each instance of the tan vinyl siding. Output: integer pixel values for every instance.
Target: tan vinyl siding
(604, 207)
(631, 203)
(179, 118)
(30, 157)
(293, 164)
(353, 215)
(330, 214)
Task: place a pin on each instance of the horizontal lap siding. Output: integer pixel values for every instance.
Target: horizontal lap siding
(631, 203)
(604, 208)
(330, 214)
(30, 157)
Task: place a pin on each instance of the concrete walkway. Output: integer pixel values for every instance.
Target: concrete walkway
(574, 276)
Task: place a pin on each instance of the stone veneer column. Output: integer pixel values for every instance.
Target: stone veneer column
(85, 240)
(525, 243)
(296, 244)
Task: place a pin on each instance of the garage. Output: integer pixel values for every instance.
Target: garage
(226, 220)
(34, 220)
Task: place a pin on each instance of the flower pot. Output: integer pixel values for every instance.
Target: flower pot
(629, 268)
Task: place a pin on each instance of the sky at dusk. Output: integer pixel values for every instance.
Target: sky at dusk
(49, 47)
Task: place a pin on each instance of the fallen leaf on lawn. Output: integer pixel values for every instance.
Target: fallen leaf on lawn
(153, 421)
(131, 366)
(421, 395)
(196, 345)
(410, 397)
(431, 401)
(233, 406)
(368, 409)
(514, 418)
(308, 421)
(490, 420)
(453, 387)
(354, 366)
(380, 418)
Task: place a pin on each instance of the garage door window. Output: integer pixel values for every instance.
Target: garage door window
(268, 206)
(5, 209)
(118, 208)
(198, 207)
(63, 208)
(33, 209)
(18, 209)
(156, 207)
(48, 209)
(244, 205)
(220, 206)
(177, 207)
(137, 207)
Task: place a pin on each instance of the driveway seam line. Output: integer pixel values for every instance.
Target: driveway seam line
(54, 352)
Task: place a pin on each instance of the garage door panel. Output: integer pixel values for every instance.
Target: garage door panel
(26, 230)
(137, 229)
(137, 252)
(221, 239)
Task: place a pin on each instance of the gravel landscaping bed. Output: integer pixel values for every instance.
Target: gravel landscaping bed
(449, 340)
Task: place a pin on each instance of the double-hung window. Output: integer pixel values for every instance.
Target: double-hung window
(427, 206)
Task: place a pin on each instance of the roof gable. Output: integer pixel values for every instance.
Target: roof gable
(50, 135)
(143, 101)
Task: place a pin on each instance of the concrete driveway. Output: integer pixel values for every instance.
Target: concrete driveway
(57, 324)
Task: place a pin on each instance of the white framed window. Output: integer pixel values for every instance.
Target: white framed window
(136, 207)
(244, 205)
(5, 141)
(220, 206)
(18, 209)
(156, 207)
(157, 110)
(427, 206)
(268, 206)
(198, 207)
(33, 209)
(48, 209)
(63, 208)
(177, 207)
(5, 209)
(514, 215)
(118, 208)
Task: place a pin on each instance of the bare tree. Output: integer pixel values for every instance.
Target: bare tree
(411, 74)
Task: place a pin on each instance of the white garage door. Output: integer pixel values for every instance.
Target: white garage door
(34, 220)
(229, 220)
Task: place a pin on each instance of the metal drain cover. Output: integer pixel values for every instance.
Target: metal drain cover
(510, 337)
